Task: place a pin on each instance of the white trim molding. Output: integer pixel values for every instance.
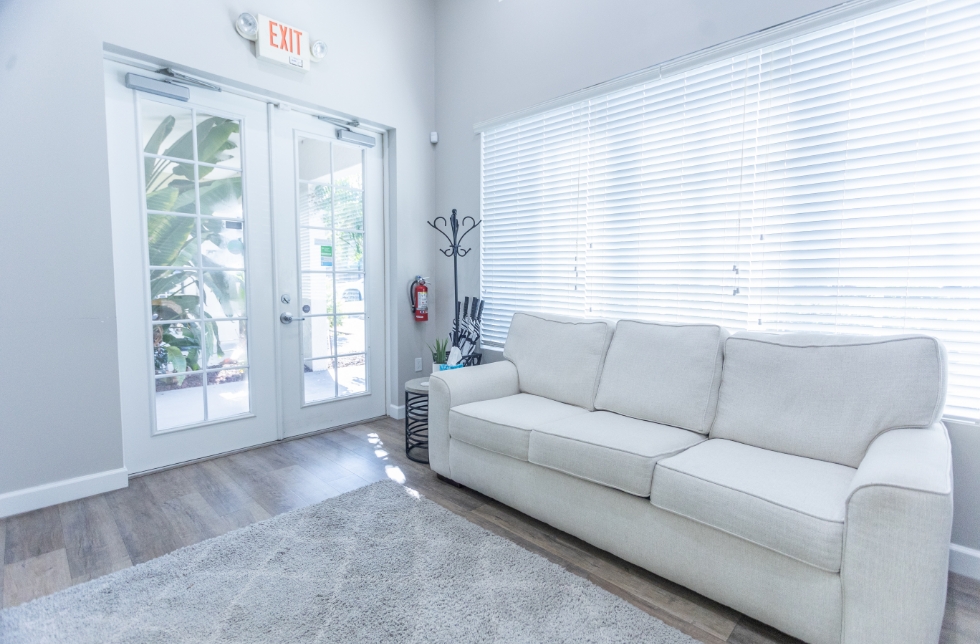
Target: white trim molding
(42, 496)
(396, 411)
(964, 561)
(771, 35)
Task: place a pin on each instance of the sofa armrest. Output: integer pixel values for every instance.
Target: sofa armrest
(896, 539)
(447, 389)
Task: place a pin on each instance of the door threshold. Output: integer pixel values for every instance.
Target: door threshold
(251, 447)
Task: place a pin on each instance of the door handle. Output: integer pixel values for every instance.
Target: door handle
(287, 318)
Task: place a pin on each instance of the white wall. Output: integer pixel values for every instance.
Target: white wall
(494, 57)
(59, 394)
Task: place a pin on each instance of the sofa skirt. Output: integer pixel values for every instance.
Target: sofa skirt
(787, 594)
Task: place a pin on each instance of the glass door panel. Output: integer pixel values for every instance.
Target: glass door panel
(192, 358)
(330, 179)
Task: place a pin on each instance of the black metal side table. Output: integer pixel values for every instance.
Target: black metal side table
(417, 420)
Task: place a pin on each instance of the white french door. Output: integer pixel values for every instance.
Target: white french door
(189, 184)
(203, 272)
(330, 272)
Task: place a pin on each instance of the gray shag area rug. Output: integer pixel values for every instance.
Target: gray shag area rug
(378, 564)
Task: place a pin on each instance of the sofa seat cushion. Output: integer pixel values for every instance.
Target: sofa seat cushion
(790, 504)
(503, 425)
(608, 449)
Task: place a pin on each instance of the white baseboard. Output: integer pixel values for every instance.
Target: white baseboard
(41, 496)
(964, 561)
(396, 411)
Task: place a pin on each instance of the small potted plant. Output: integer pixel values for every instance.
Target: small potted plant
(439, 354)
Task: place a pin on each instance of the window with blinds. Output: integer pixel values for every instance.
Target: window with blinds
(830, 182)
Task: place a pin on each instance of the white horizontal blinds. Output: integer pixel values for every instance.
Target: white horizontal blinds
(839, 172)
(533, 230)
(664, 177)
(801, 154)
(870, 216)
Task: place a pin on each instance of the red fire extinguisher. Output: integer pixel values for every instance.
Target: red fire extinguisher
(418, 293)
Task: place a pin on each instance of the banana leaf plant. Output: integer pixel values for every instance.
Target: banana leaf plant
(175, 293)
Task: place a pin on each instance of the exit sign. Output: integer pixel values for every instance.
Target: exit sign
(281, 43)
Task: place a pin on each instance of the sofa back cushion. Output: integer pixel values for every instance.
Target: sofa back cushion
(827, 396)
(664, 373)
(558, 357)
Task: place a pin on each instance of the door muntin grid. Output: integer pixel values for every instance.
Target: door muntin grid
(330, 218)
(195, 229)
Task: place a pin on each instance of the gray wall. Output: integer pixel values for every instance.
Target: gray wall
(966, 484)
(494, 57)
(59, 394)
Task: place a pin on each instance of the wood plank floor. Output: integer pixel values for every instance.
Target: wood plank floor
(50, 549)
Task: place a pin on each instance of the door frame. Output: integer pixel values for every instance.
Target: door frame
(150, 66)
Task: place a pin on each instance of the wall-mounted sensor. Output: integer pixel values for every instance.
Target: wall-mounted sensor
(247, 26)
(433, 137)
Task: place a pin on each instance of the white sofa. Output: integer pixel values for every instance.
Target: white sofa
(802, 479)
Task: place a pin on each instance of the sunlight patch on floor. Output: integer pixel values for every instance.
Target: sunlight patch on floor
(395, 474)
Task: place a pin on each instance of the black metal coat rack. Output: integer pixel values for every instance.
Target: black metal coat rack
(455, 252)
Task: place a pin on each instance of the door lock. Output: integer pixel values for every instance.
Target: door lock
(287, 318)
